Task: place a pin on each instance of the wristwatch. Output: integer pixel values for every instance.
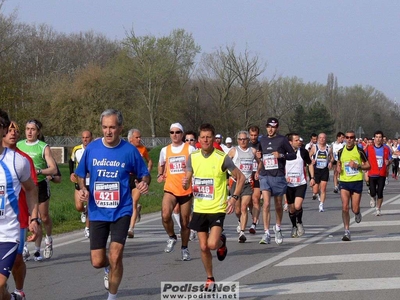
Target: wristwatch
(37, 220)
(39, 171)
(236, 197)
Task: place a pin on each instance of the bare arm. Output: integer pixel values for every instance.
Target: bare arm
(51, 163)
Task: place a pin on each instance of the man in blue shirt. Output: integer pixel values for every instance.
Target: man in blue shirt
(109, 161)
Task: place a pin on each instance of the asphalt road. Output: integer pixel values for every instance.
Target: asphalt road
(316, 266)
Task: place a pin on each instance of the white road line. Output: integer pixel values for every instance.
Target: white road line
(287, 253)
(287, 288)
(332, 259)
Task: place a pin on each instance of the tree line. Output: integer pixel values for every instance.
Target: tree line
(67, 80)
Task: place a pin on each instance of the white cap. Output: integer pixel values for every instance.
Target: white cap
(228, 140)
(176, 125)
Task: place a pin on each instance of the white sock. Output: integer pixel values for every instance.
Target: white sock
(111, 296)
(177, 219)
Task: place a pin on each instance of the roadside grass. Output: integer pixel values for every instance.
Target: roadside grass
(62, 207)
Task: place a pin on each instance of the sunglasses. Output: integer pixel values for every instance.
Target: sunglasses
(189, 140)
(175, 132)
(242, 139)
(350, 137)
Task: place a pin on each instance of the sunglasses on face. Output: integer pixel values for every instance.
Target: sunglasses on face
(189, 140)
(350, 137)
(175, 132)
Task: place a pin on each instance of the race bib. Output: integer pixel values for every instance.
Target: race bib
(321, 163)
(177, 164)
(203, 188)
(255, 166)
(379, 160)
(246, 166)
(270, 162)
(107, 194)
(348, 170)
(2, 202)
(294, 177)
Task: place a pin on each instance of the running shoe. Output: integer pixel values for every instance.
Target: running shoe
(294, 232)
(285, 207)
(372, 202)
(387, 181)
(223, 250)
(185, 254)
(336, 190)
(378, 212)
(252, 229)
(130, 233)
(48, 249)
(170, 245)
(321, 207)
(83, 217)
(87, 234)
(346, 237)
(210, 284)
(266, 239)
(106, 282)
(25, 253)
(314, 196)
(358, 217)
(278, 236)
(138, 216)
(15, 296)
(19, 293)
(238, 227)
(37, 256)
(242, 237)
(300, 229)
(192, 235)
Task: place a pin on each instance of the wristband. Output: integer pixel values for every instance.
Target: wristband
(236, 197)
(311, 178)
(37, 220)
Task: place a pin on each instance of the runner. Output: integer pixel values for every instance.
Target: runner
(321, 156)
(171, 169)
(297, 184)
(15, 173)
(110, 161)
(135, 137)
(45, 165)
(254, 132)
(275, 150)
(336, 146)
(351, 161)
(379, 158)
(207, 168)
(243, 156)
(74, 160)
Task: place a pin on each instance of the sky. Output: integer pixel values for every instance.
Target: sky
(358, 41)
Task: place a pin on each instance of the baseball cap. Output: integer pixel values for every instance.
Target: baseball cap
(228, 140)
(272, 122)
(176, 125)
(218, 136)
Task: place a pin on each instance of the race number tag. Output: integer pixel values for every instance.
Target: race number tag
(246, 166)
(348, 170)
(106, 194)
(379, 160)
(203, 188)
(294, 177)
(255, 166)
(2, 202)
(270, 162)
(321, 163)
(177, 164)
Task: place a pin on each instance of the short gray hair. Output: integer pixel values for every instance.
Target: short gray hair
(243, 132)
(111, 112)
(130, 133)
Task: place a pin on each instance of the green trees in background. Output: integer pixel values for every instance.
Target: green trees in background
(66, 81)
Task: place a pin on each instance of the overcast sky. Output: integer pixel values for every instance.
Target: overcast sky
(358, 41)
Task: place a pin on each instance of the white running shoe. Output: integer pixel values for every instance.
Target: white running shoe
(185, 254)
(346, 237)
(238, 227)
(86, 231)
(266, 239)
(300, 229)
(378, 212)
(83, 217)
(358, 217)
(37, 256)
(242, 237)
(192, 235)
(278, 236)
(252, 229)
(372, 202)
(25, 253)
(48, 249)
(170, 245)
(106, 282)
(294, 232)
(321, 207)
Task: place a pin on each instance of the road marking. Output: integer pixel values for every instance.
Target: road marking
(317, 286)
